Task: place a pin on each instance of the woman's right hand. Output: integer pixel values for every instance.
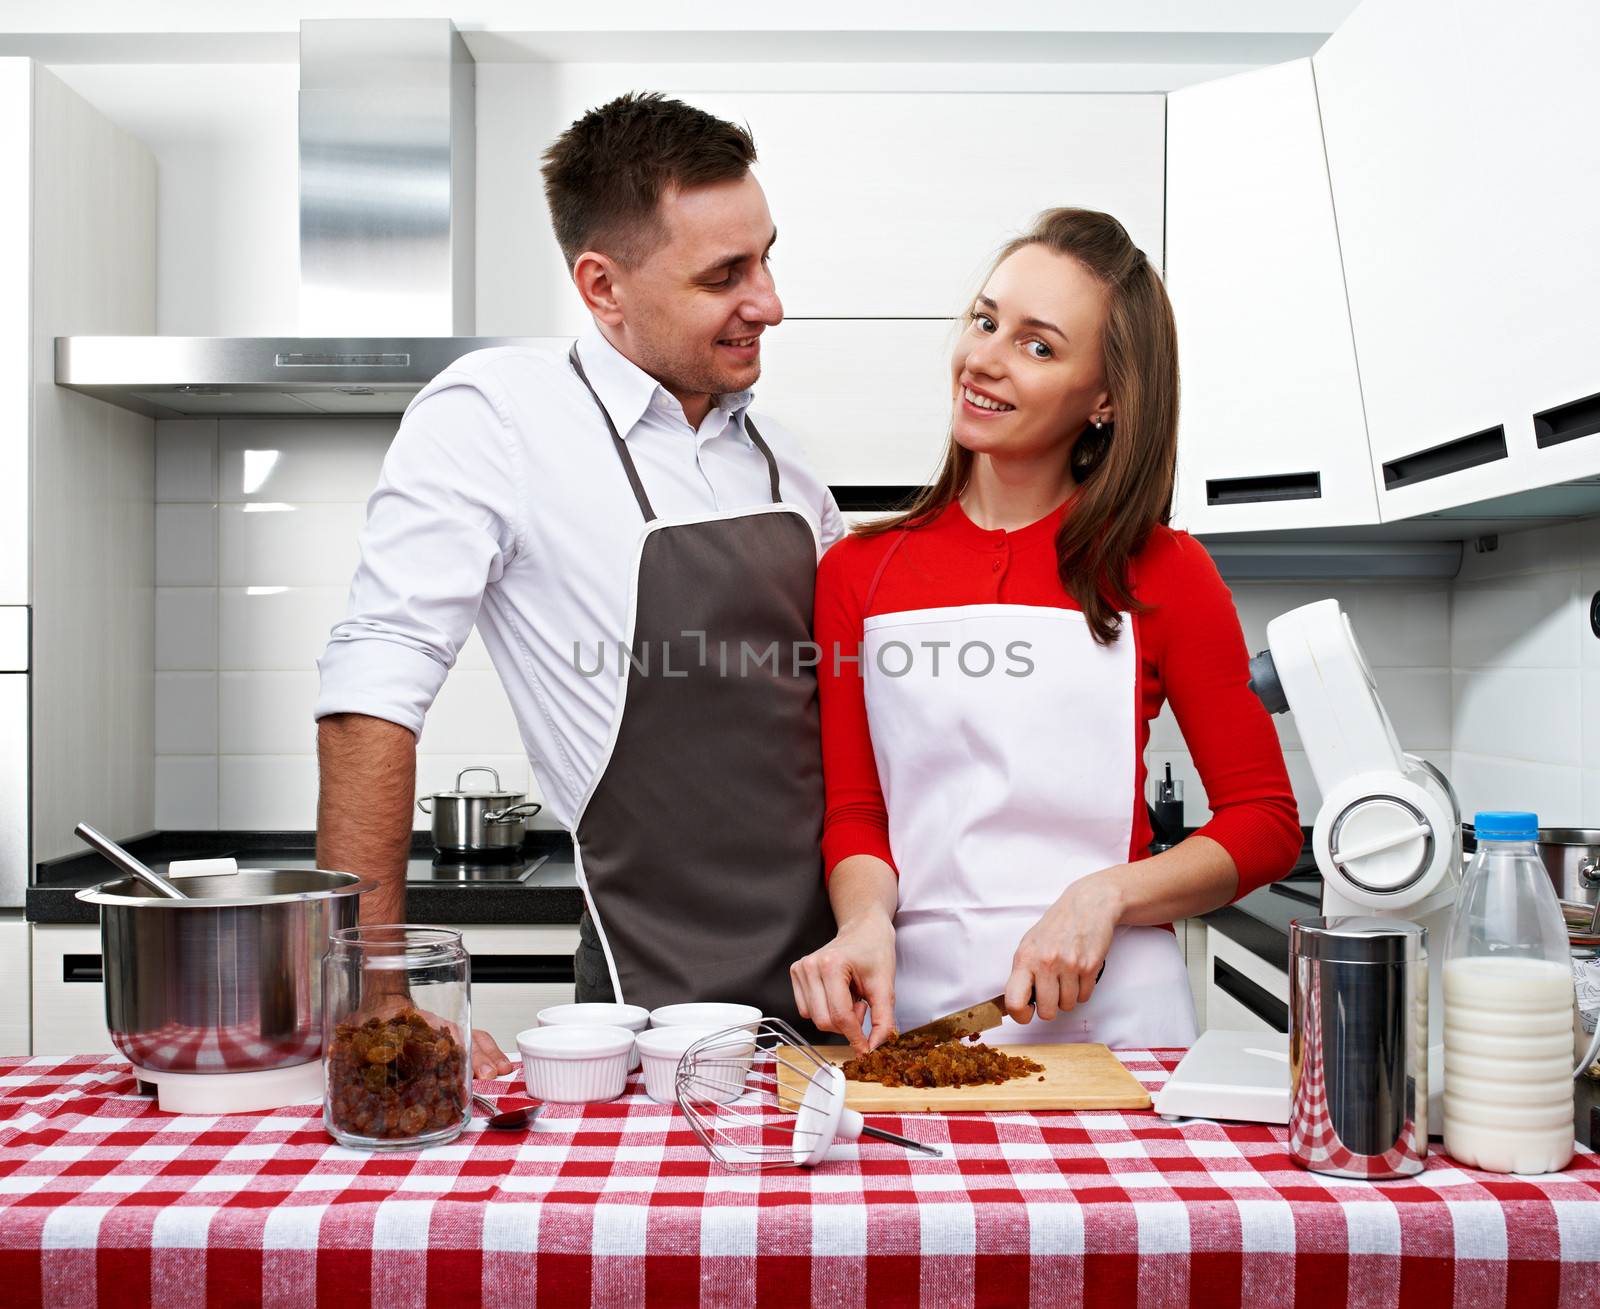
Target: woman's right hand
(836, 985)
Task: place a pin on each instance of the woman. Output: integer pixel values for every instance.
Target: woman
(1017, 630)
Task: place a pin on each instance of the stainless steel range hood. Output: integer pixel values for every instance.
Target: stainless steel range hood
(387, 213)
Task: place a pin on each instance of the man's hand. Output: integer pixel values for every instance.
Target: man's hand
(1059, 959)
(836, 985)
(488, 1060)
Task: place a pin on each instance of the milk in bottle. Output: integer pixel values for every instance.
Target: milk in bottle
(1508, 1004)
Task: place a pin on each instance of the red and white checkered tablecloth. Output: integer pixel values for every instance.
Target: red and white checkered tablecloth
(104, 1200)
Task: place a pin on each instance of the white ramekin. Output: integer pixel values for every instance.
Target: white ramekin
(575, 1065)
(660, 1048)
(720, 1068)
(710, 1013)
(630, 1017)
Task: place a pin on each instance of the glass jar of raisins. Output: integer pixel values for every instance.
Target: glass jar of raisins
(396, 1037)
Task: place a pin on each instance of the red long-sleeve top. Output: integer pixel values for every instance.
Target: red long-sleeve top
(1190, 648)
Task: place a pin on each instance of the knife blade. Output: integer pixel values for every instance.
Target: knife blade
(964, 1022)
(971, 1021)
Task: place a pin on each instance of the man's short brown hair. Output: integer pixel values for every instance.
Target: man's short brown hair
(604, 175)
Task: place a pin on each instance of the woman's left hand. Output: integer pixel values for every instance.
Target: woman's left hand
(1060, 957)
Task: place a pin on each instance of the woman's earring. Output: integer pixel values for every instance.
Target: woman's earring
(1098, 424)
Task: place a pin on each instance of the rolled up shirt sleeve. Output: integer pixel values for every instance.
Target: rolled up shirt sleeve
(442, 526)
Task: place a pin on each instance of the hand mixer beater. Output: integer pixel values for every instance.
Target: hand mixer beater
(759, 1096)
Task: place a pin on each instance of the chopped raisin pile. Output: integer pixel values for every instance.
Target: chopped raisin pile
(928, 1061)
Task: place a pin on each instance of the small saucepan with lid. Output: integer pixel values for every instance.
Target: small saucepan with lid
(475, 822)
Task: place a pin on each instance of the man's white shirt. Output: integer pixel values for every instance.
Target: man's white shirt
(503, 502)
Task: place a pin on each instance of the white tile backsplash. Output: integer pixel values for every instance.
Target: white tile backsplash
(301, 460)
(186, 545)
(266, 713)
(1532, 621)
(1553, 792)
(186, 792)
(277, 627)
(186, 628)
(186, 713)
(269, 792)
(1418, 703)
(248, 594)
(186, 460)
(1519, 713)
(471, 714)
(281, 544)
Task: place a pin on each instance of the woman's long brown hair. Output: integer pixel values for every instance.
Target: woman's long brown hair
(1125, 470)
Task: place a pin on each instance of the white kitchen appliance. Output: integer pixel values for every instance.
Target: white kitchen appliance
(1387, 841)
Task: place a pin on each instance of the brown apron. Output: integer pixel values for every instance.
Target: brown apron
(699, 843)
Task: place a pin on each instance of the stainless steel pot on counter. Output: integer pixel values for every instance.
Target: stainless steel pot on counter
(228, 979)
(478, 821)
(1571, 856)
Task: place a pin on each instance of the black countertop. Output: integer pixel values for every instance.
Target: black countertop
(1259, 922)
(434, 894)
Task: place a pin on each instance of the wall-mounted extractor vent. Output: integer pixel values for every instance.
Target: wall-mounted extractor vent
(387, 180)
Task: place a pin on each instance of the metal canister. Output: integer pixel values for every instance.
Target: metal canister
(1358, 1046)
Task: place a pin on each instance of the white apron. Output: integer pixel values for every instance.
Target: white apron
(1001, 791)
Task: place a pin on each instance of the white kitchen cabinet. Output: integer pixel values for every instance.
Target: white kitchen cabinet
(890, 205)
(868, 399)
(77, 475)
(518, 970)
(1271, 431)
(16, 327)
(1466, 184)
(16, 983)
(1243, 992)
(69, 999)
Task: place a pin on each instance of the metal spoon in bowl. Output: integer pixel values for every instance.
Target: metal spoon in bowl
(125, 861)
(509, 1121)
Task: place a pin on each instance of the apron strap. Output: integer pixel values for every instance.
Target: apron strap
(877, 576)
(772, 464)
(616, 439)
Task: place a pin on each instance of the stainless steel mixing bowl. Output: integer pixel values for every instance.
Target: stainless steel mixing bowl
(228, 980)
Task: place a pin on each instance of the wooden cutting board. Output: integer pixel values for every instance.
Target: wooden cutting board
(1076, 1076)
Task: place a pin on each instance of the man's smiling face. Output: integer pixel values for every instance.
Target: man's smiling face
(694, 308)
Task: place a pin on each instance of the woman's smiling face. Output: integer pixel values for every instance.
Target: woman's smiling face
(1028, 371)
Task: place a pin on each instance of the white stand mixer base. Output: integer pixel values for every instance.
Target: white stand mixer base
(234, 1093)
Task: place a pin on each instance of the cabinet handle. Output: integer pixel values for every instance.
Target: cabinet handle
(1452, 457)
(1257, 999)
(1263, 490)
(874, 499)
(522, 968)
(1567, 422)
(82, 968)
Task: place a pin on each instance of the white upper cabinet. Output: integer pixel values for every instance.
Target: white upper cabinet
(892, 205)
(867, 399)
(887, 205)
(1466, 181)
(16, 323)
(1271, 432)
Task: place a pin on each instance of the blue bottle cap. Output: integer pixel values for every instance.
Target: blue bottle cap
(1505, 825)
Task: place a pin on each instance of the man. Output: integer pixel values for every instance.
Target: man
(639, 556)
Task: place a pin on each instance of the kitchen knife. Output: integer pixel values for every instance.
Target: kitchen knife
(964, 1022)
(971, 1021)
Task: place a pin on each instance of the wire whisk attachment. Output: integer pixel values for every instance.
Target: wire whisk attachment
(759, 1096)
